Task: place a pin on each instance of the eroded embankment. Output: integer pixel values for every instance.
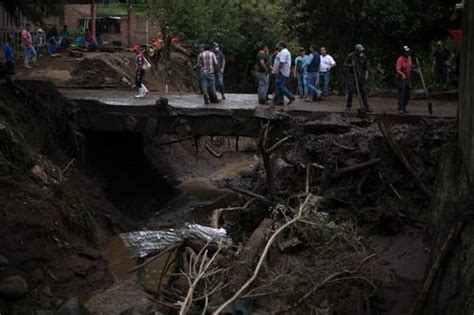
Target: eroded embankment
(358, 249)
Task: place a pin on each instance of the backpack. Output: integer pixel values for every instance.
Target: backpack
(146, 65)
(315, 63)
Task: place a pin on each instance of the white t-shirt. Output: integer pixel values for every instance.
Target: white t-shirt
(284, 57)
(327, 62)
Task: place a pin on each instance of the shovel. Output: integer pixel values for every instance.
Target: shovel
(361, 110)
(428, 98)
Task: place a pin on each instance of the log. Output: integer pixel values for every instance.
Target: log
(356, 167)
(404, 160)
(244, 266)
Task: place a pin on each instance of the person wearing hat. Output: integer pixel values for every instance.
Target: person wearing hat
(357, 66)
(403, 67)
(140, 63)
(301, 66)
(219, 68)
(9, 56)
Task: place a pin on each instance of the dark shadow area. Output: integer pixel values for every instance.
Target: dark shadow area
(117, 160)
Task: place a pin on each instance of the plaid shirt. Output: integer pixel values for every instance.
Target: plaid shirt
(207, 62)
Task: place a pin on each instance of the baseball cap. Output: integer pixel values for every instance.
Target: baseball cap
(359, 47)
(301, 49)
(406, 48)
(136, 47)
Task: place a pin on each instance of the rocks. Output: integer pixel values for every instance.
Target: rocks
(73, 307)
(3, 263)
(13, 287)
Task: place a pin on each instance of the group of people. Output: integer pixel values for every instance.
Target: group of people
(31, 44)
(313, 74)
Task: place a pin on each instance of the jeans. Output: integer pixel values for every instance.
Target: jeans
(351, 86)
(311, 78)
(302, 88)
(139, 76)
(404, 93)
(29, 54)
(263, 84)
(282, 89)
(220, 81)
(324, 82)
(442, 76)
(208, 86)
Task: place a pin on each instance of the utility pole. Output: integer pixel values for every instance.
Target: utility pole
(93, 18)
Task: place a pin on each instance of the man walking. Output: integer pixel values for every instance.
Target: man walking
(403, 68)
(301, 64)
(441, 59)
(282, 71)
(263, 73)
(9, 56)
(29, 52)
(312, 76)
(327, 63)
(357, 65)
(207, 63)
(140, 65)
(219, 68)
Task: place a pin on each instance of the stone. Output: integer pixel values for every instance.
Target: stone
(3, 263)
(13, 287)
(73, 307)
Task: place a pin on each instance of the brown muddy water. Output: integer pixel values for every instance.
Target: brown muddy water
(199, 197)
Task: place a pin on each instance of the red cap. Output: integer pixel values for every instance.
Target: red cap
(136, 48)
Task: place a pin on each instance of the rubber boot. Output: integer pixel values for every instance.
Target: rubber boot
(146, 91)
(141, 93)
(27, 64)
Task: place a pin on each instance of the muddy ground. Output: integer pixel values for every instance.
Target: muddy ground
(61, 221)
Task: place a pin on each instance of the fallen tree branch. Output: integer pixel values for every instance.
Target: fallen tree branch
(216, 214)
(343, 146)
(326, 281)
(403, 159)
(153, 258)
(237, 294)
(212, 151)
(251, 194)
(356, 167)
(453, 236)
(173, 142)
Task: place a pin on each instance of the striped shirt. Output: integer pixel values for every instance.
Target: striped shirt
(207, 62)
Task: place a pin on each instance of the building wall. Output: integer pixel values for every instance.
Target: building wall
(466, 101)
(74, 12)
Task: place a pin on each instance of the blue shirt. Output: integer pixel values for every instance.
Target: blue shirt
(302, 64)
(8, 52)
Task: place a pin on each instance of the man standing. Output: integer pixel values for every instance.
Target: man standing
(441, 59)
(9, 56)
(300, 72)
(219, 68)
(357, 65)
(29, 52)
(140, 64)
(282, 71)
(263, 73)
(312, 76)
(327, 63)
(403, 68)
(207, 63)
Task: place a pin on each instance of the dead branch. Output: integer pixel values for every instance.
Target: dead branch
(326, 281)
(216, 214)
(453, 236)
(250, 193)
(246, 258)
(153, 258)
(298, 216)
(173, 142)
(343, 146)
(212, 151)
(356, 167)
(403, 159)
(198, 268)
